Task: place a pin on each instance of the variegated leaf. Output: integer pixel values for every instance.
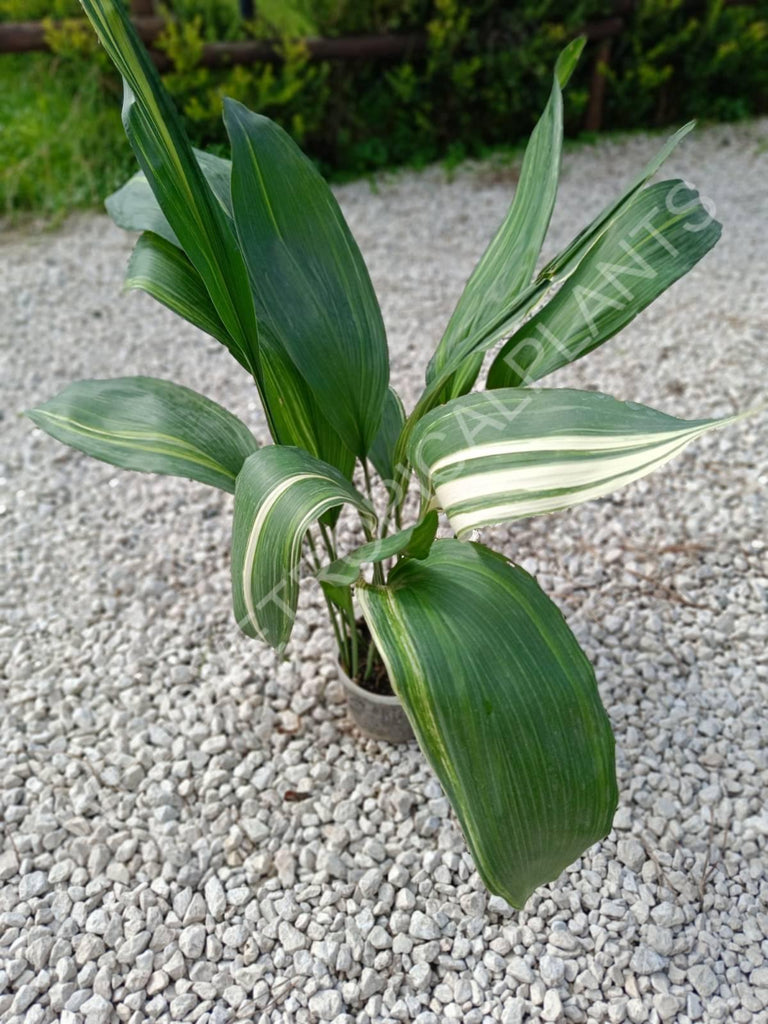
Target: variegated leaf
(310, 284)
(507, 265)
(151, 425)
(134, 207)
(414, 542)
(194, 214)
(504, 705)
(651, 244)
(280, 492)
(468, 352)
(516, 452)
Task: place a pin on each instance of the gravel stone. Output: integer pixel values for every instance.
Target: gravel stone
(379, 937)
(89, 949)
(25, 996)
(666, 1005)
(9, 864)
(97, 1010)
(215, 897)
(327, 1004)
(192, 941)
(291, 939)
(631, 853)
(553, 1007)
(552, 971)
(646, 960)
(419, 976)
(703, 979)
(423, 927)
(520, 971)
(33, 884)
(370, 883)
(196, 910)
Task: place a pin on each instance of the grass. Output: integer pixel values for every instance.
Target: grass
(62, 145)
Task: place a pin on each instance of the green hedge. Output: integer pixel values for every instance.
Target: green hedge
(480, 83)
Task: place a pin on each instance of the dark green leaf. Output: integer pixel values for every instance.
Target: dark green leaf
(163, 271)
(506, 268)
(150, 425)
(134, 207)
(296, 415)
(190, 207)
(414, 542)
(382, 452)
(504, 705)
(310, 284)
(651, 244)
(280, 492)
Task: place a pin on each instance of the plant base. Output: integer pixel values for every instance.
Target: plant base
(380, 717)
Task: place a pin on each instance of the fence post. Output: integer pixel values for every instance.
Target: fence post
(594, 119)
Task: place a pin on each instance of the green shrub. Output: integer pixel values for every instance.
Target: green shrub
(674, 63)
(36, 10)
(60, 145)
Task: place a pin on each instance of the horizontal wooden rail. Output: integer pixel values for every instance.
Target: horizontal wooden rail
(27, 36)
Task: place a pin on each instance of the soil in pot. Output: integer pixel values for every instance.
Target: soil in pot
(372, 704)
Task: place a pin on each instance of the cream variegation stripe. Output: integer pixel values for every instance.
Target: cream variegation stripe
(540, 450)
(485, 515)
(423, 721)
(175, 444)
(557, 474)
(545, 444)
(253, 539)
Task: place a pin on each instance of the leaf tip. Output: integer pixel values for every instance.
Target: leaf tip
(568, 59)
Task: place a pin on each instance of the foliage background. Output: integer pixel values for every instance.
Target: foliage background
(480, 83)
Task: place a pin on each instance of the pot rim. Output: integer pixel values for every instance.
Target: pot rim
(375, 698)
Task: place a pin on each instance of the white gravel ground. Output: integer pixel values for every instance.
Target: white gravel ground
(152, 868)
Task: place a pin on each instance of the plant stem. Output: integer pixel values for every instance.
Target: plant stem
(351, 643)
(378, 572)
(344, 651)
(355, 651)
(369, 660)
(329, 541)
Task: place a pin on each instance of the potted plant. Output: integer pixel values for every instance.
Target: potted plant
(256, 252)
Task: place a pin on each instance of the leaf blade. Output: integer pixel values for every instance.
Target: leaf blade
(160, 143)
(556, 271)
(382, 453)
(280, 491)
(507, 265)
(632, 263)
(310, 285)
(161, 269)
(134, 206)
(414, 542)
(495, 456)
(515, 729)
(150, 425)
